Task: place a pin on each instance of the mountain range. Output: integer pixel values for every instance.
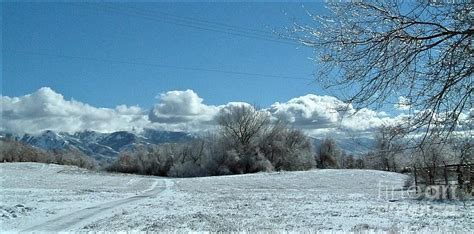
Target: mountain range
(354, 146)
(101, 146)
(107, 146)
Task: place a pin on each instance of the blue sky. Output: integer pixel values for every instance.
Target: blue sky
(37, 36)
(110, 67)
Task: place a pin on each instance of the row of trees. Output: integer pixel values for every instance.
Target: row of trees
(329, 155)
(246, 142)
(395, 153)
(14, 151)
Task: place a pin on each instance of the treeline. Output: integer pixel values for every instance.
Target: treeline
(248, 141)
(394, 153)
(245, 142)
(14, 151)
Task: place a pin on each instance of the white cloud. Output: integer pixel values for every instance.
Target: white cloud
(176, 107)
(185, 111)
(48, 110)
(322, 114)
(310, 111)
(178, 111)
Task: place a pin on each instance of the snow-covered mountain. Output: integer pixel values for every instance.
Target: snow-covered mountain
(48, 140)
(106, 146)
(355, 146)
(102, 145)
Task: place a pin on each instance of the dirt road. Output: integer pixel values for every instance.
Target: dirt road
(89, 214)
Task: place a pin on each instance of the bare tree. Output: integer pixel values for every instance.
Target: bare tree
(191, 159)
(14, 151)
(463, 149)
(257, 144)
(376, 51)
(430, 158)
(387, 148)
(246, 142)
(287, 149)
(243, 124)
(328, 154)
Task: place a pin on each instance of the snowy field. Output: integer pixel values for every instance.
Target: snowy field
(60, 198)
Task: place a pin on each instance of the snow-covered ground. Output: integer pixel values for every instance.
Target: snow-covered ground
(53, 198)
(32, 193)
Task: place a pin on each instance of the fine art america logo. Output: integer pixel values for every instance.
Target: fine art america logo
(428, 201)
(429, 192)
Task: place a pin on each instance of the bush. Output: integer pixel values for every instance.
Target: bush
(14, 151)
(276, 148)
(288, 149)
(246, 142)
(328, 154)
(154, 160)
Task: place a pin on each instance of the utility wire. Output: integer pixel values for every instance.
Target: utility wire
(104, 60)
(193, 25)
(208, 22)
(237, 31)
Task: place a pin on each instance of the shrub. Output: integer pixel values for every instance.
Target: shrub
(14, 151)
(246, 142)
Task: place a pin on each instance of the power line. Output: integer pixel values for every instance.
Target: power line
(199, 24)
(208, 22)
(195, 23)
(158, 65)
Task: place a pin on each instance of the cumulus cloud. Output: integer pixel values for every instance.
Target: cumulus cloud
(233, 105)
(323, 114)
(176, 107)
(366, 120)
(185, 111)
(310, 111)
(47, 110)
(178, 111)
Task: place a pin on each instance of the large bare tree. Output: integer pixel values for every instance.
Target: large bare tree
(242, 123)
(421, 51)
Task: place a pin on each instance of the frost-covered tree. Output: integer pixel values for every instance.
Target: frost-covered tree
(328, 154)
(147, 160)
(191, 159)
(14, 151)
(387, 148)
(243, 124)
(430, 159)
(377, 51)
(246, 142)
(287, 149)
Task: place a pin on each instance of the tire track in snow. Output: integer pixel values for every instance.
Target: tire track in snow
(84, 216)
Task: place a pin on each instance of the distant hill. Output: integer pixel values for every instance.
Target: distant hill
(101, 145)
(353, 146)
(106, 146)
